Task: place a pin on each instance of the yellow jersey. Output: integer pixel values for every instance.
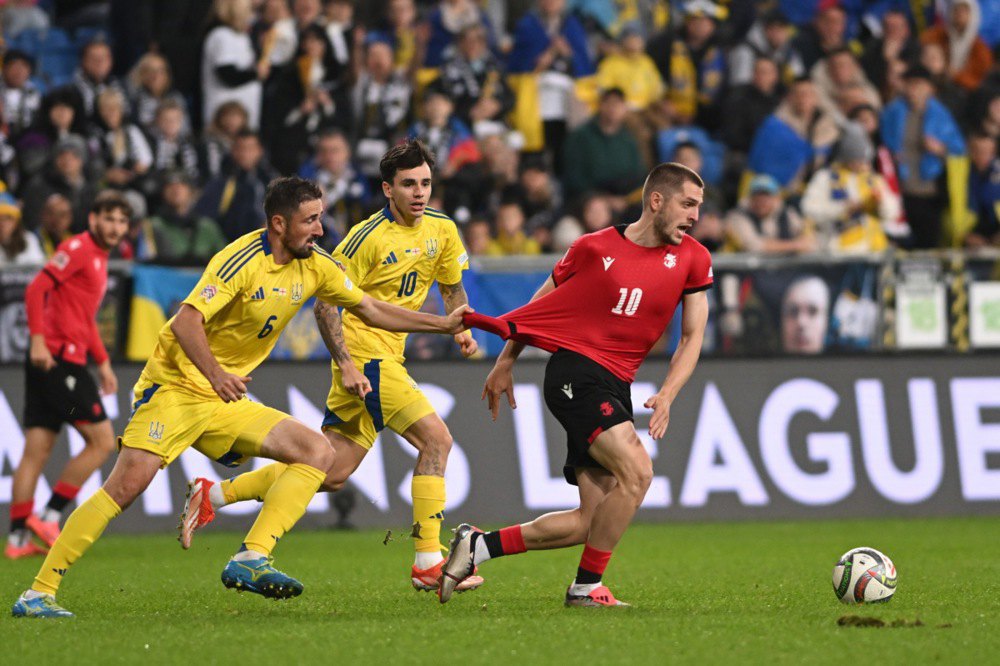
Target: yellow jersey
(247, 299)
(398, 264)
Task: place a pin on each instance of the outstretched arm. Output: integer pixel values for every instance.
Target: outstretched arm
(331, 328)
(454, 296)
(693, 320)
(189, 328)
(501, 378)
(390, 317)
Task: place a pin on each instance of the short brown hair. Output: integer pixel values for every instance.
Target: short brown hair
(408, 155)
(668, 179)
(284, 196)
(109, 201)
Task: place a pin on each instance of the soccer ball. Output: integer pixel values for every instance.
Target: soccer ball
(864, 576)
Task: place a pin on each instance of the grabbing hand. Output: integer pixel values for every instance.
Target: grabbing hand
(453, 322)
(658, 422)
(498, 382)
(230, 387)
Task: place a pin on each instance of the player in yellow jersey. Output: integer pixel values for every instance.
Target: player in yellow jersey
(192, 391)
(395, 255)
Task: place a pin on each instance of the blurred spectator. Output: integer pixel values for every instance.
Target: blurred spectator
(65, 176)
(690, 155)
(18, 246)
(400, 31)
(172, 146)
(969, 58)
(339, 16)
(150, 85)
(501, 165)
(770, 38)
(849, 203)
(596, 213)
(602, 154)
(765, 224)
(794, 140)
(510, 238)
(984, 191)
(19, 96)
(841, 85)
(552, 44)
(346, 194)
(478, 237)
(952, 95)
(988, 120)
(805, 310)
(230, 119)
(921, 133)
(694, 65)
(235, 197)
(274, 34)
(447, 21)
(306, 13)
(710, 230)
(825, 34)
(54, 223)
(94, 76)
(60, 115)
(447, 137)
(124, 151)
(896, 45)
(539, 195)
(230, 70)
(747, 106)
(21, 16)
(381, 107)
(629, 69)
(179, 235)
(302, 104)
(475, 81)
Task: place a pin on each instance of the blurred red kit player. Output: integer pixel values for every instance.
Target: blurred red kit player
(62, 303)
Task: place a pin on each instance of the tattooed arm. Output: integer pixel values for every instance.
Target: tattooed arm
(332, 329)
(454, 296)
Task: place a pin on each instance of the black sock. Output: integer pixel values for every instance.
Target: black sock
(57, 502)
(18, 524)
(493, 543)
(584, 577)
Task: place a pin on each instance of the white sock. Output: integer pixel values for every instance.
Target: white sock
(424, 561)
(245, 555)
(582, 590)
(216, 497)
(480, 553)
(18, 538)
(50, 515)
(30, 594)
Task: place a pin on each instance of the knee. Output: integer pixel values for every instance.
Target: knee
(314, 450)
(333, 482)
(102, 443)
(636, 478)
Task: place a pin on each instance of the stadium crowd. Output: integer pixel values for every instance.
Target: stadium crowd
(818, 125)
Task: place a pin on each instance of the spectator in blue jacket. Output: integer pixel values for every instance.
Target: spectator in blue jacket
(447, 22)
(921, 133)
(984, 191)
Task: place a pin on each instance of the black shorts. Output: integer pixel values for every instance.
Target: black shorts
(587, 399)
(65, 394)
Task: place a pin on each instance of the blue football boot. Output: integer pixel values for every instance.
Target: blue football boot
(259, 577)
(44, 606)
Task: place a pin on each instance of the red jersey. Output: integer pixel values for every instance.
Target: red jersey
(613, 299)
(63, 299)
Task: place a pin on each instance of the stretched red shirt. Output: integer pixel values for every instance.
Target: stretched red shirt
(613, 299)
(63, 299)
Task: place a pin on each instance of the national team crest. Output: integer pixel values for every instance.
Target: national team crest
(297, 292)
(670, 260)
(432, 248)
(156, 430)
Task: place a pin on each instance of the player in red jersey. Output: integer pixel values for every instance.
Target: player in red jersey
(62, 303)
(605, 305)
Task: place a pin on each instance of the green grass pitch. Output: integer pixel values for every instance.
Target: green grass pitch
(703, 593)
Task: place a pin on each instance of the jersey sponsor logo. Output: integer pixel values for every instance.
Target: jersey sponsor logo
(391, 259)
(432, 248)
(670, 260)
(279, 291)
(209, 292)
(607, 409)
(60, 260)
(297, 289)
(156, 430)
(568, 390)
(258, 295)
(607, 262)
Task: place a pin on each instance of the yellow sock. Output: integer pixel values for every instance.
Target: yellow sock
(83, 527)
(251, 485)
(428, 512)
(284, 504)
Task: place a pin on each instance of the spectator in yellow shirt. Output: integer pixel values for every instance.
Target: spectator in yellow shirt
(511, 238)
(632, 71)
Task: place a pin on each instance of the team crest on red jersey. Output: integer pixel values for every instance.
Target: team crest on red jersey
(670, 260)
(607, 409)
